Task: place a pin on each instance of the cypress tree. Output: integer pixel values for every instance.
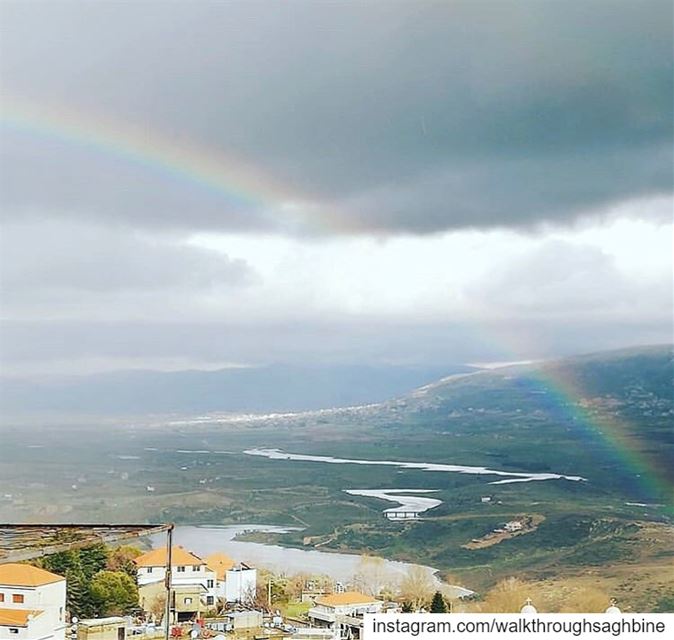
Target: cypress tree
(78, 598)
(438, 605)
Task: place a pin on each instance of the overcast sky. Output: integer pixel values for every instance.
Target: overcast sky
(205, 184)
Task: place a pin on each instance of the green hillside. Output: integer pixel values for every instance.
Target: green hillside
(605, 417)
(608, 417)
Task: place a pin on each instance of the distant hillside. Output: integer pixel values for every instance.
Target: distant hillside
(619, 374)
(257, 390)
(606, 415)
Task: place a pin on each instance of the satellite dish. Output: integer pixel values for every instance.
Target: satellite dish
(74, 619)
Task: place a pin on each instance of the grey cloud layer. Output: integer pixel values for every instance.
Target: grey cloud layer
(375, 118)
(89, 260)
(29, 345)
(391, 117)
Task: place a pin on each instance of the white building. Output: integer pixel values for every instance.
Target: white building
(343, 612)
(32, 603)
(240, 584)
(234, 582)
(512, 526)
(187, 571)
(220, 563)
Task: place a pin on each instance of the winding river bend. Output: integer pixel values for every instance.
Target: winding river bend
(340, 566)
(406, 504)
(509, 476)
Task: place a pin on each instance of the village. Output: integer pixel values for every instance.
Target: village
(74, 586)
(64, 587)
(209, 597)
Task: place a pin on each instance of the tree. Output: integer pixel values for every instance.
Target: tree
(122, 559)
(78, 566)
(158, 607)
(113, 593)
(89, 560)
(417, 587)
(270, 584)
(438, 604)
(78, 598)
(507, 596)
(296, 584)
(93, 559)
(372, 576)
(61, 563)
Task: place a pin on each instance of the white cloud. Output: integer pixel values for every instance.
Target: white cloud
(461, 275)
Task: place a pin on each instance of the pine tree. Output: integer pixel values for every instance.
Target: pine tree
(438, 605)
(78, 598)
(93, 559)
(62, 562)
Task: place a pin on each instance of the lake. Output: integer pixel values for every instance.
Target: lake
(339, 566)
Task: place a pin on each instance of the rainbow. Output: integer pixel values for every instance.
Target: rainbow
(244, 186)
(597, 424)
(239, 184)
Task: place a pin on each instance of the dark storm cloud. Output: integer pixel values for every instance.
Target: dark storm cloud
(411, 117)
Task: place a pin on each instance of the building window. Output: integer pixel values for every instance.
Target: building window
(187, 600)
(2, 597)
(17, 598)
(209, 599)
(149, 569)
(196, 567)
(209, 584)
(13, 630)
(181, 569)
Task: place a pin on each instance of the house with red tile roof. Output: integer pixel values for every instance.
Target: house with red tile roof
(193, 582)
(32, 603)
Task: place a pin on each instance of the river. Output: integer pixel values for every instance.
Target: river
(408, 504)
(510, 476)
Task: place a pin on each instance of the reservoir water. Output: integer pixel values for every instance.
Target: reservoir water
(339, 566)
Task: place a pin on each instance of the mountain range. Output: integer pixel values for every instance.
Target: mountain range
(274, 388)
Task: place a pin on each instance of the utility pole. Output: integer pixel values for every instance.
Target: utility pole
(167, 582)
